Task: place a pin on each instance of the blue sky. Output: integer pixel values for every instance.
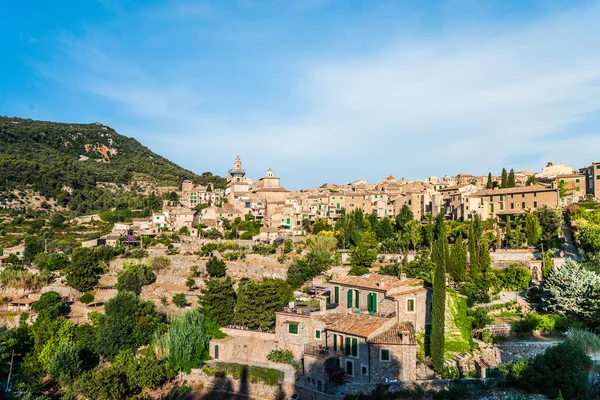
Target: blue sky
(320, 91)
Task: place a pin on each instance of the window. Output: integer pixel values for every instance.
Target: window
(410, 305)
(523, 195)
(577, 188)
(384, 355)
(317, 334)
(534, 194)
(512, 205)
(502, 206)
(335, 342)
(354, 351)
(349, 298)
(492, 207)
(577, 180)
(347, 346)
(491, 198)
(501, 197)
(336, 294)
(216, 351)
(562, 181)
(357, 295)
(523, 205)
(598, 166)
(350, 367)
(372, 303)
(293, 329)
(535, 204)
(597, 176)
(363, 369)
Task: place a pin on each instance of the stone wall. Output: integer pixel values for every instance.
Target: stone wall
(512, 351)
(245, 389)
(402, 364)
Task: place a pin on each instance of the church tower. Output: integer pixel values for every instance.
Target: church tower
(237, 173)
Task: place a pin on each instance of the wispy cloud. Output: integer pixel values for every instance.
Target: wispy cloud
(468, 101)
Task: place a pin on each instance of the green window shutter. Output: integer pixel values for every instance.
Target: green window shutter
(318, 334)
(357, 294)
(335, 341)
(355, 347)
(336, 295)
(293, 328)
(374, 298)
(347, 346)
(349, 298)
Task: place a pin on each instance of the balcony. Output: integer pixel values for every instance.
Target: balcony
(322, 351)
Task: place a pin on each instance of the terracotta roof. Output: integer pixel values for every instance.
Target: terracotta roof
(375, 281)
(395, 333)
(327, 318)
(569, 176)
(515, 190)
(361, 325)
(23, 301)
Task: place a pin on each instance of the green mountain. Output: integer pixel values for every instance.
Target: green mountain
(65, 162)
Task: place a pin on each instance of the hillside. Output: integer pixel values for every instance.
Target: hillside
(66, 161)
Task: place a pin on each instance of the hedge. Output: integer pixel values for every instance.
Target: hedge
(255, 374)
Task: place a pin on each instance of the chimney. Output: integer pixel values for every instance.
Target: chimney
(381, 284)
(322, 303)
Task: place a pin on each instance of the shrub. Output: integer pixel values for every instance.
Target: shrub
(283, 356)
(216, 268)
(179, 300)
(87, 298)
(159, 263)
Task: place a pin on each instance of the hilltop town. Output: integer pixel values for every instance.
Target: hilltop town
(430, 286)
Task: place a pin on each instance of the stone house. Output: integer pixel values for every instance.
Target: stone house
(592, 177)
(367, 324)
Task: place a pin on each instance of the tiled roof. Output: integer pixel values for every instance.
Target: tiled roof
(395, 333)
(361, 325)
(327, 318)
(376, 281)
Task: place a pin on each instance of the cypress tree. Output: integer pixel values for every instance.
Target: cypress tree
(459, 261)
(504, 182)
(473, 250)
(490, 183)
(511, 179)
(438, 313)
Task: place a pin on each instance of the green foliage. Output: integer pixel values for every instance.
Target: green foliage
(550, 221)
(439, 297)
(87, 298)
(546, 323)
(586, 340)
(21, 279)
(258, 301)
(134, 278)
(242, 372)
(365, 253)
(457, 267)
(65, 364)
(51, 261)
(504, 181)
(515, 277)
(33, 247)
(533, 230)
(513, 372)
(82, 273)
(126, 377)
(283, 356)
(335, 373)
(159, 263)
(179, 300)
(216, 268)
(490, 182)
(128, 324)
(563, 368)
(358, 270)
(37, 150)
(421, 268)
(218, 300)
(288, 246)
(186, 342)
(50, 305)
(568, 290)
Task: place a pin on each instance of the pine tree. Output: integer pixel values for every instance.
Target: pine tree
(438, 314)
(504, 182)
(490, 183)
(511, 179)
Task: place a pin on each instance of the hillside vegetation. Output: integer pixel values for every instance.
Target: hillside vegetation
(66, 161)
